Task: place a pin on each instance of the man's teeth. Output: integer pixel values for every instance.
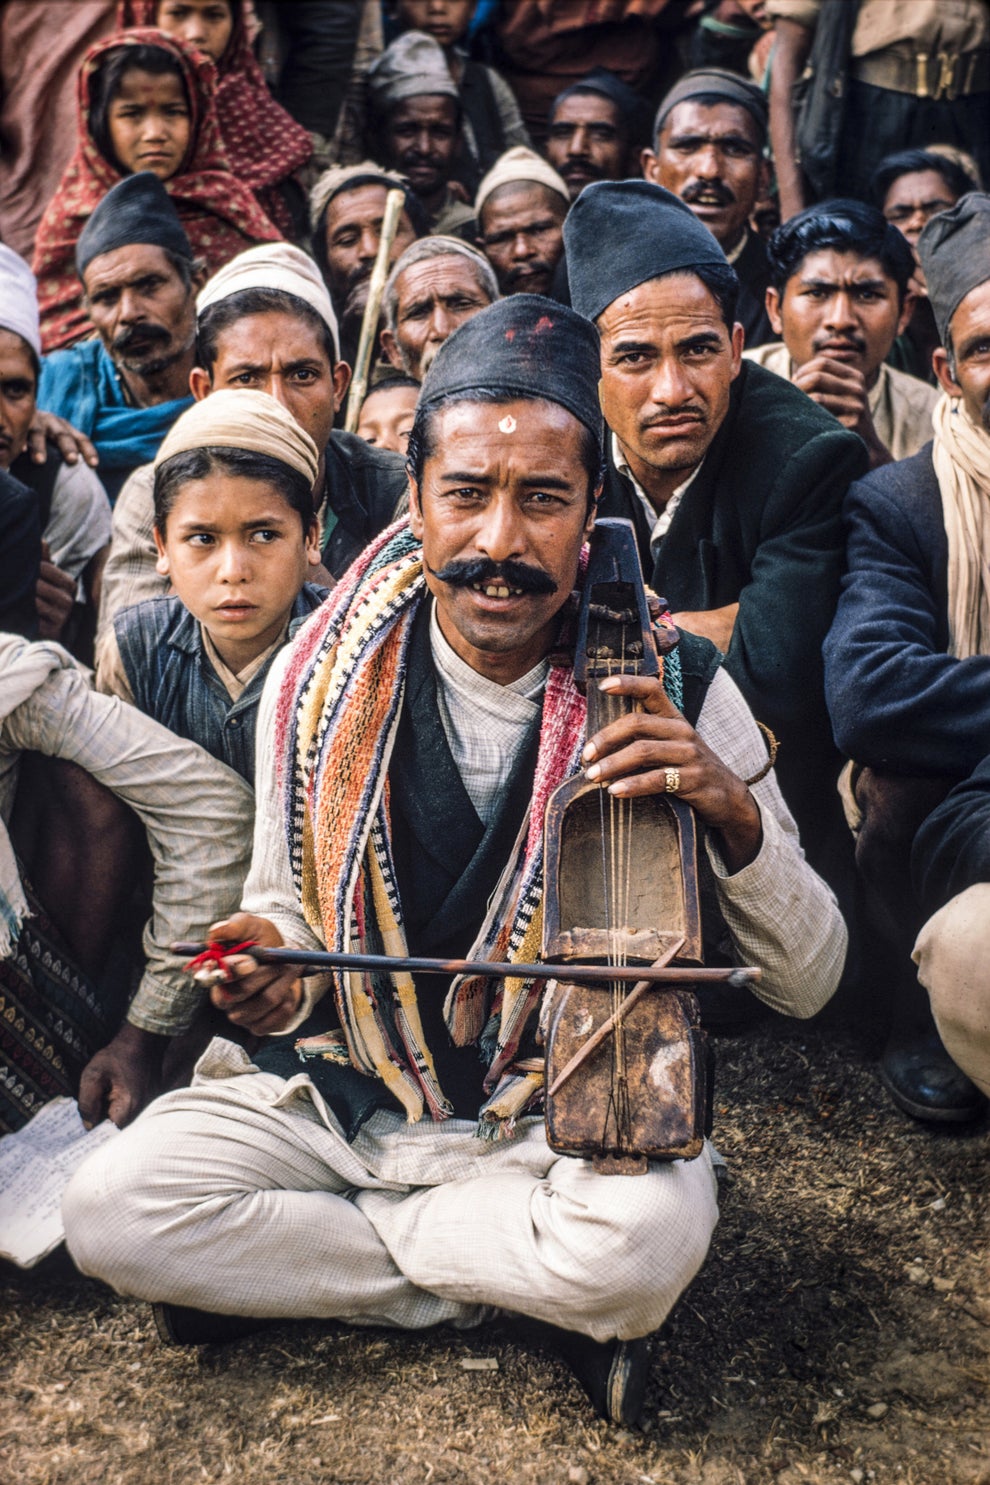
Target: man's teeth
(496, 590)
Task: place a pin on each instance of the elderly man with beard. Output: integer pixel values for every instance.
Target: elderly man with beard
(125, 389)
(709, 148)
(521, 206)
(347, 207)
(435, 286)
(416, 116)
(907, 662)
(733, 479)
(341, 1175)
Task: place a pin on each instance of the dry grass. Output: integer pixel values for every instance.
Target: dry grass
(837, 1334)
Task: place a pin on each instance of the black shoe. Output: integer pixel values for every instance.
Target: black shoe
(612, 1373)
(179, 1326)
(925, 1083)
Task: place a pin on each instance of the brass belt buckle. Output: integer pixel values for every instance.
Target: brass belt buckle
(945, 87)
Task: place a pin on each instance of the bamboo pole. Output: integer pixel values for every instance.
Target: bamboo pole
(394, 202)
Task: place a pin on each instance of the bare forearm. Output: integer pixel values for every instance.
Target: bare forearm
(791, 50)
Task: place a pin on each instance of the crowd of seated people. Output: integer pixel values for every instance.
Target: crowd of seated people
(242, 340)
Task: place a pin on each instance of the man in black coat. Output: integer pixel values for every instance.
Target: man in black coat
(733, 478)
(907, 661)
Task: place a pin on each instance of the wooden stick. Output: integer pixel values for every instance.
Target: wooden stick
(578, 974)
(605, 1029)
(394, 202)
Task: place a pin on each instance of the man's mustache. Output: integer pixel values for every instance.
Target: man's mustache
(717, 188)
(585, 164)
(145, 336)
(509, 574)
(527, 271)
(416, 157)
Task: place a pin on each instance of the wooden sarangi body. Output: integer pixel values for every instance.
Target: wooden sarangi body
(627, 1074)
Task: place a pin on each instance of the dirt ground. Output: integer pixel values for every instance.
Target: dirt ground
(839, 1332)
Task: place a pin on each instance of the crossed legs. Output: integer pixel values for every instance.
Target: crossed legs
(240, 1196)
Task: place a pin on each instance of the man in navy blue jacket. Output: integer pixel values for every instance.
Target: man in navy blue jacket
(907, 661)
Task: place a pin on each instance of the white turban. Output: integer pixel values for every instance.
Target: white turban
(242, 420)
(520, 164)
(273, 265)
(19, 299)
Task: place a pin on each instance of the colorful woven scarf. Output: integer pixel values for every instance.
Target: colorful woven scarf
(337, 718)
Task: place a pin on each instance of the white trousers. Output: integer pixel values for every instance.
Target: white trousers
(240, 1195)
(953, 959)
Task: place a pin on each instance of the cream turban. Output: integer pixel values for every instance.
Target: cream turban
(520, 164)
(273, 265)
(347, 178)
(242, 420)
(19, 299)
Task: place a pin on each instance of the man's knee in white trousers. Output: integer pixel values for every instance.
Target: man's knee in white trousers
(656, 1248)
(953, 958)
(99, 1209)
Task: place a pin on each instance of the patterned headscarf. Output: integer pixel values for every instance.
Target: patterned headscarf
(221, 217)
(264, 143)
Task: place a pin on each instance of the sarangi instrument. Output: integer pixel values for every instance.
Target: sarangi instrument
(627, 1075)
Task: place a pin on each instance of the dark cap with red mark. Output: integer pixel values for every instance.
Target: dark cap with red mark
(524, 346)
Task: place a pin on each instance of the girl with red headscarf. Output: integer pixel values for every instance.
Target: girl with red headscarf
(117, 79)
(264, 144)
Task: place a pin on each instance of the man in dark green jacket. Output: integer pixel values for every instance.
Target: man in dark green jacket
(733, 478)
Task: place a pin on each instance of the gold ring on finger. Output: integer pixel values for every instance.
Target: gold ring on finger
(673, 778)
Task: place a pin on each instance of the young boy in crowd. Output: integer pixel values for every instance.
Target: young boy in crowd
(236, 536)
(388, 413)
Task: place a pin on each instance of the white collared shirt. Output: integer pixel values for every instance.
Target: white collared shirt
(485, 724)
(659, 524)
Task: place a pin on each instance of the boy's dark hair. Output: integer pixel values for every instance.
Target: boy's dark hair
(196, 464)
(912, 162)
(421, 445)
(226, 312)
(388, 383)
(848, 227)
(106, 82)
